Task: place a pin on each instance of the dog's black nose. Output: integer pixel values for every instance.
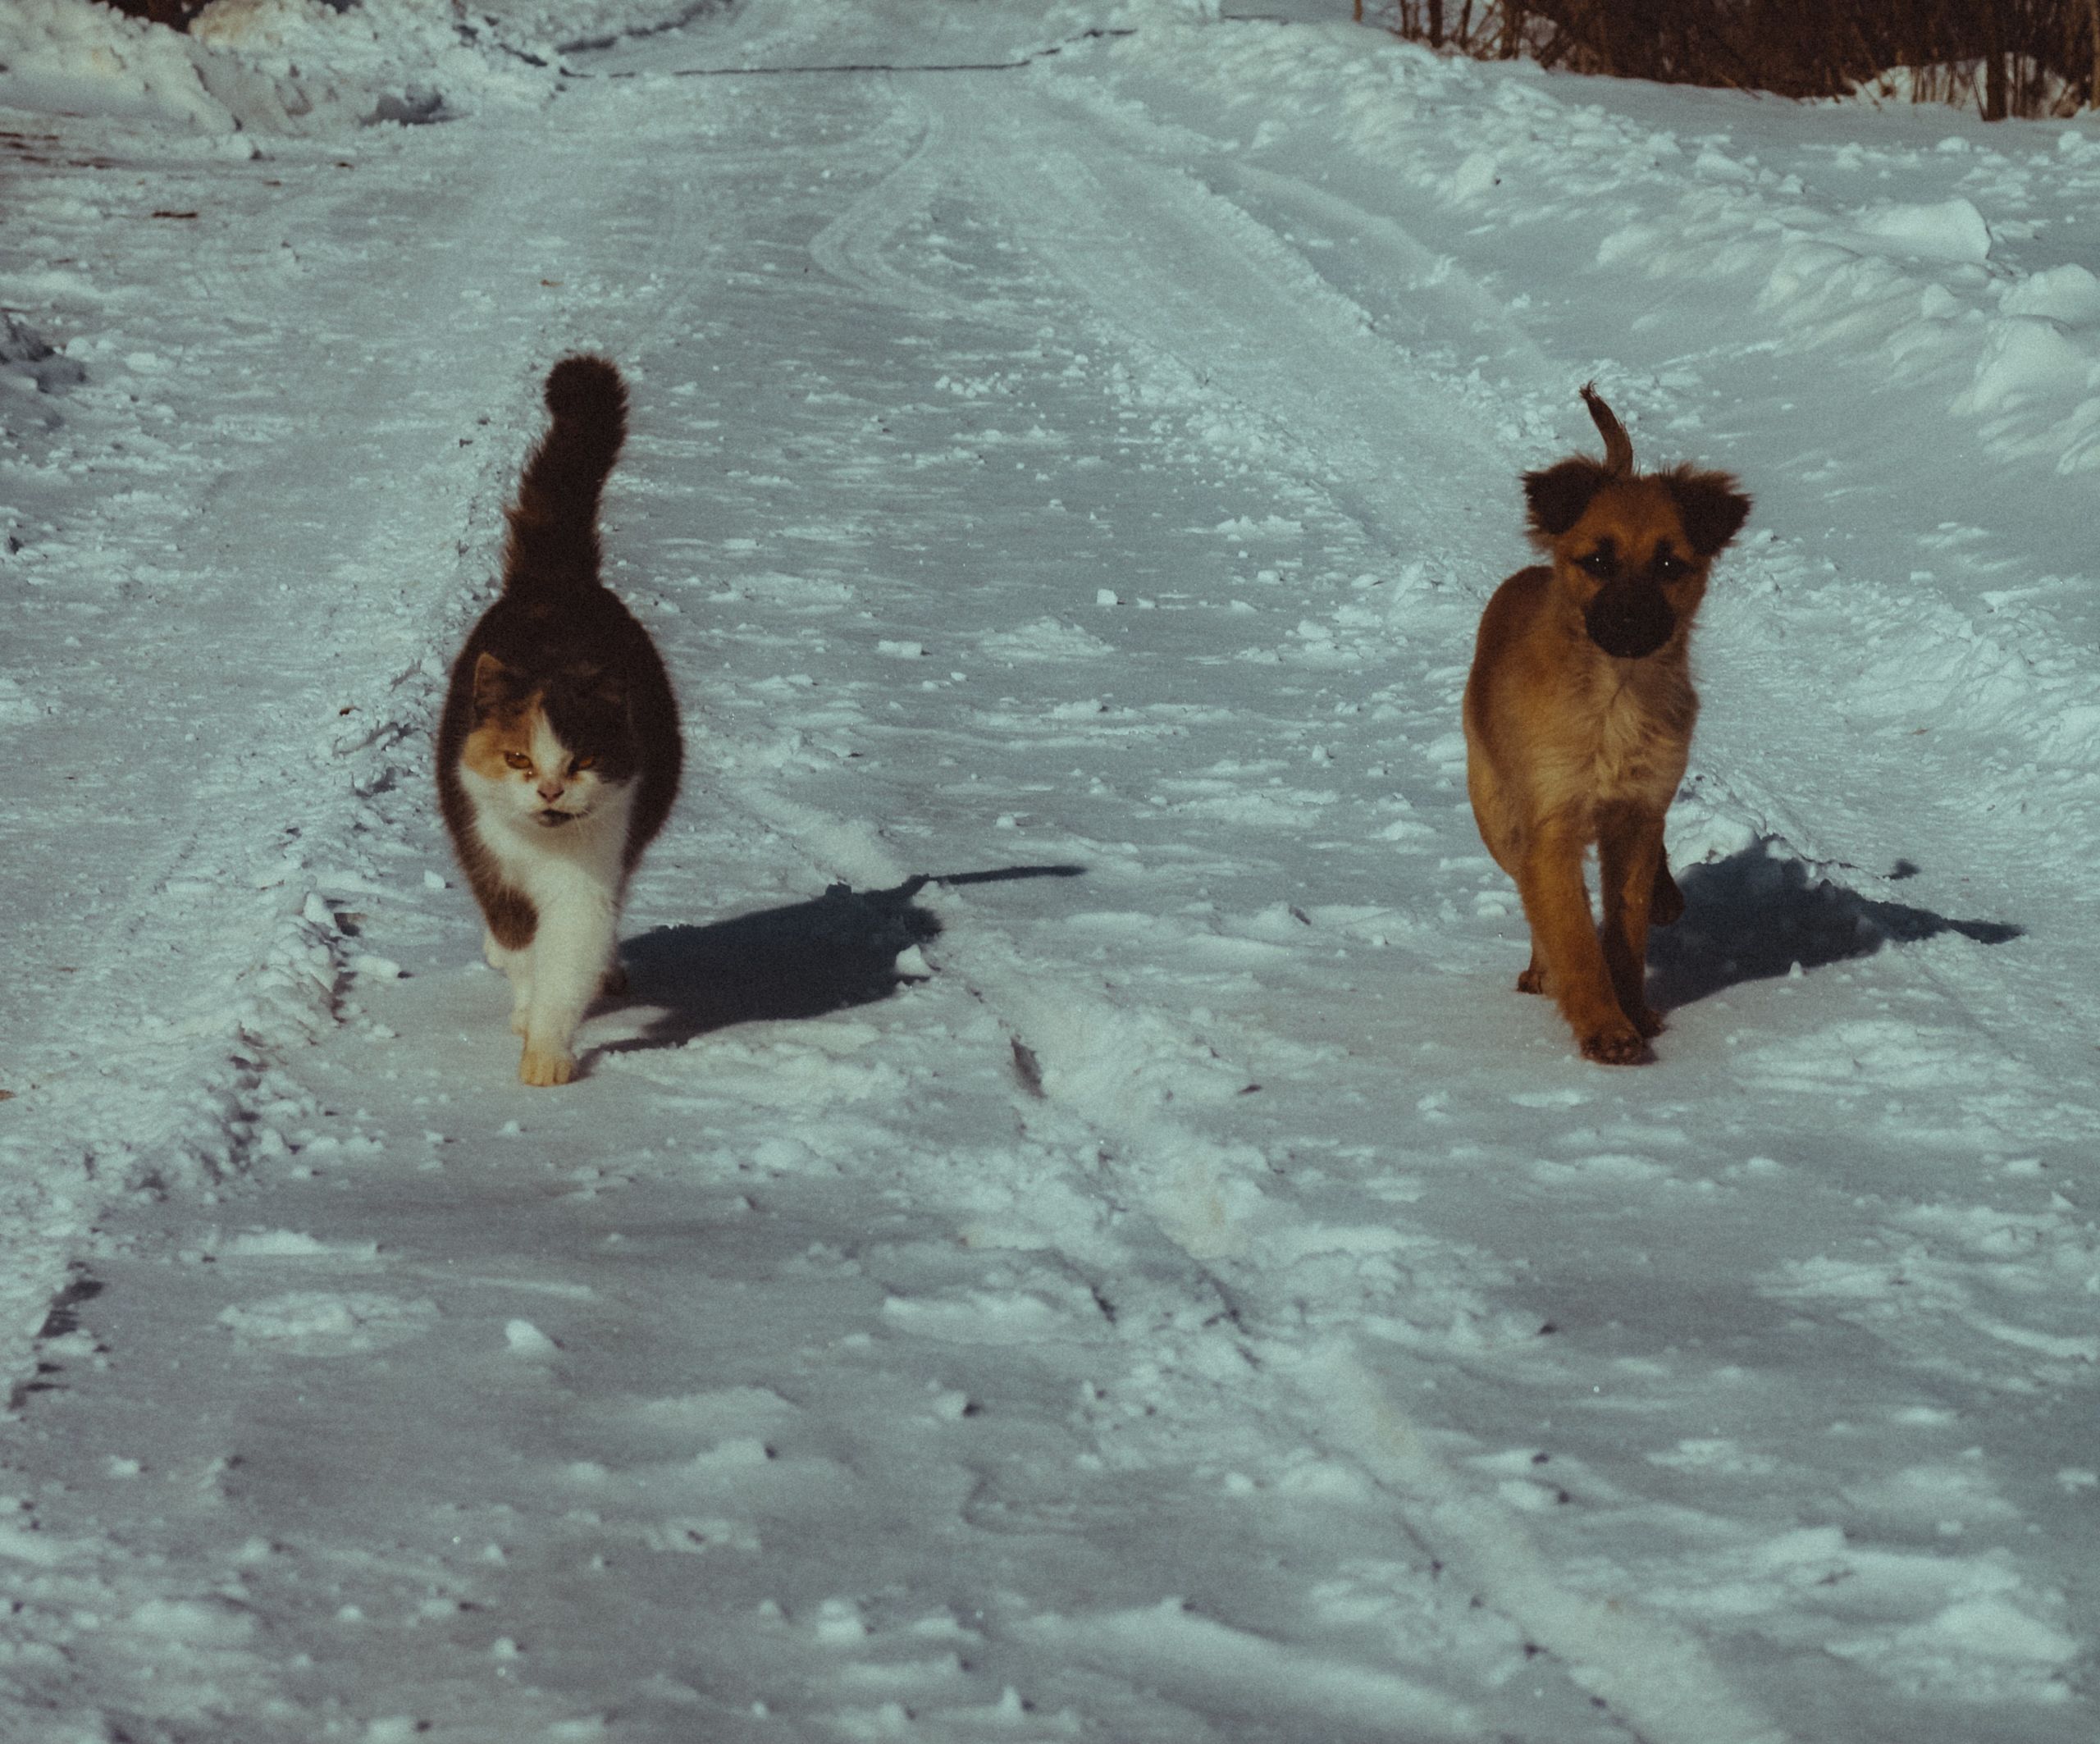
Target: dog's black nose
(1629, 618)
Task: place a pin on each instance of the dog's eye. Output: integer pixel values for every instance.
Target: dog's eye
(1668, 568)
(1600, 564)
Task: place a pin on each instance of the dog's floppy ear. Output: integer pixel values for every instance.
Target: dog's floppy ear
(1559, 495)
(1711, 506)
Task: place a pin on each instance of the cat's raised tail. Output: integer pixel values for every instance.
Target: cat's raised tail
(553, 524)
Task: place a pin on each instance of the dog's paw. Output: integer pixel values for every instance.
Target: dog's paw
(1648, 1020)
(1617, 1044)
(542, 1067)
(1532, 981)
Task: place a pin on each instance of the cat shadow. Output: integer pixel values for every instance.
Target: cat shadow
(1754, 916)
(837, 951)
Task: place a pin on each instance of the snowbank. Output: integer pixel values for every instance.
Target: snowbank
(300, 66)
(1926, 284)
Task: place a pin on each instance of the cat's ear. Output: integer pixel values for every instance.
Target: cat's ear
(601, 684)
(493, 685)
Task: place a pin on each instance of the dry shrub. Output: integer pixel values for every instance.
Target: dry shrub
(175, 13)
(2009, 57)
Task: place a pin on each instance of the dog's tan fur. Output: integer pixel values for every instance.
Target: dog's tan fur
(1568, 745)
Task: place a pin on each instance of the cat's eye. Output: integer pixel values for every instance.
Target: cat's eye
(583, 763)
(518, 760)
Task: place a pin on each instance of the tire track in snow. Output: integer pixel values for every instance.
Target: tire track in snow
(1115, 1072)
(1207, 1199)
(1210, 317)
(1658, 1678)
(1124, 1073)
(1235, 278)
(1103, 1074)
(1190, 277)
(851, 247)
(223, 952)
(390, 541)
(1407, 455)
(1427, 282)
(1200, 287)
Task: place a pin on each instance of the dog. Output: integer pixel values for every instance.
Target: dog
(1578, 717)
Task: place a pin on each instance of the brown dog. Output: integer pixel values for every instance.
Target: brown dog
(1578, 720)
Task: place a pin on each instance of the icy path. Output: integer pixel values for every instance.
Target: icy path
(1123, 1267)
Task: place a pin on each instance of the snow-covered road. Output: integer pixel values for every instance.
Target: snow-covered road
(1074, 1235)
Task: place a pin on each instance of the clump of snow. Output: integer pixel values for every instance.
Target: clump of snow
(2069, 294)
(1944, 229)
(2026, 359)
(1045, 639)
(26, 352)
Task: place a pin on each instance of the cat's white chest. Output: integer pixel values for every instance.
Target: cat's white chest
(580, 859)
(575, 875)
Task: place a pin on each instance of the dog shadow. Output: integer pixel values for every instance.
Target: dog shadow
(1754, 916)
(837, 951)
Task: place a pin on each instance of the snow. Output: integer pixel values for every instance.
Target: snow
(1074, 1235)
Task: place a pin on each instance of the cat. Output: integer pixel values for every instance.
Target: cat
(559, 751)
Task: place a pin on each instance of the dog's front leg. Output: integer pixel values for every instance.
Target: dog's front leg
(1564, 944)
(1629, 854)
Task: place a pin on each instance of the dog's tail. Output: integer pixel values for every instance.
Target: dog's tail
(554, 523)
(1619, 446)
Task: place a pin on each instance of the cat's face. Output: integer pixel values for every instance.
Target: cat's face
(545, 757)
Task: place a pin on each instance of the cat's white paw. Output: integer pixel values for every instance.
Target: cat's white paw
(542, 1066)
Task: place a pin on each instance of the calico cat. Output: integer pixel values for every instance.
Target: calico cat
(558, 753)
